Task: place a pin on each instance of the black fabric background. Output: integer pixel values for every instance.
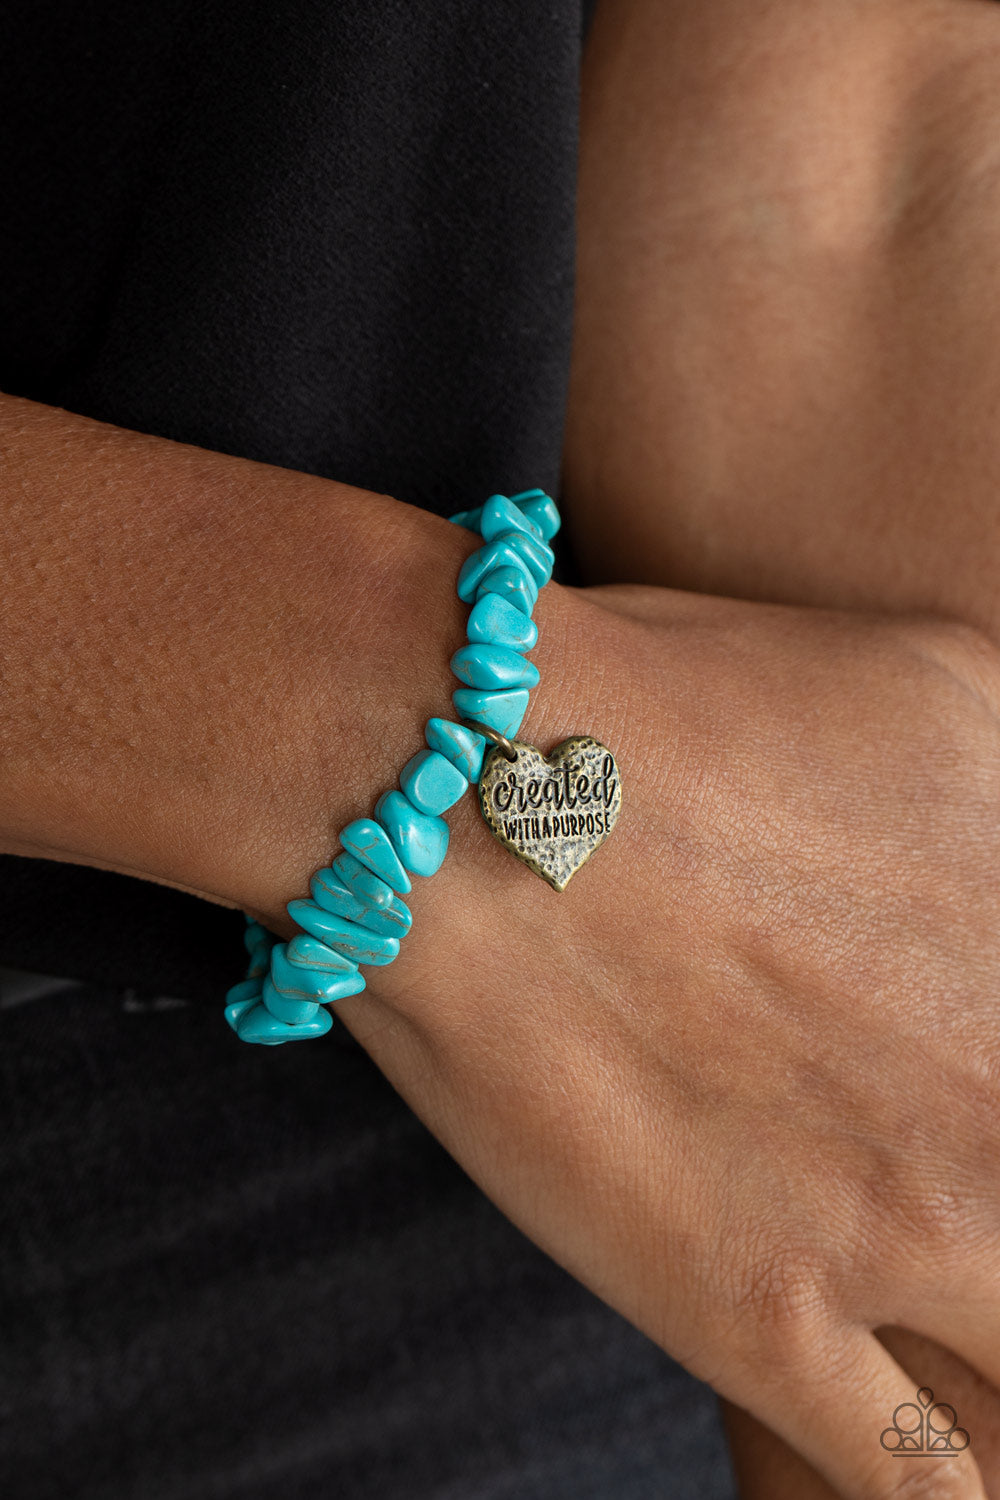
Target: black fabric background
(332, 237)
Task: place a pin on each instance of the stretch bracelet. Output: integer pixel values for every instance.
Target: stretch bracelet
(551, 811)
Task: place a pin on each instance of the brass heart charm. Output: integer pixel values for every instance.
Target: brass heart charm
(552, 811)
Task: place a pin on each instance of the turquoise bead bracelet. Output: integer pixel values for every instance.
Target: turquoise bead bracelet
(552, 820)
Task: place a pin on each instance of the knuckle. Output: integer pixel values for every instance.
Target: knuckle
(781, 1293)
(935, 1216)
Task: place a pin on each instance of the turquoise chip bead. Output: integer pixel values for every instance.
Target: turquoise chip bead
(539, 559)
(463, 747)
(516, 585)
(360, 881)
(359, 944)
(330, 892)
(498, 553)
(496, 668)
(246, 989)
(431, 782)
(234, 1011)
(541, 509)
(297, 982)
(369, 842)
(501, 711)
(258, 943)
(287, 1007)
(254, 935)
(258, 1025)
(469, 518)
(500, 514)
(420, 840)
(308, 952)
(496, 622)
(240, 998)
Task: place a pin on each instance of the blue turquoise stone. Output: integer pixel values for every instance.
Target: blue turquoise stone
(308, 952)
(287, 1007)
(360, 881)
(256, 934)
(496, 622)
(540, 509)
(240, 998)
(296, 981)
(515, 585)
(258, 1025)
(431, 782)
(539, 558)
(359, 944)
(328, 891)
(501, 711)
(245, 989)
(495, 668)
(463, 747)
(258, 942)
(501, 552)
(259, 960)
(469, 518)
(421, 841)
(369, 842)
(500, 515)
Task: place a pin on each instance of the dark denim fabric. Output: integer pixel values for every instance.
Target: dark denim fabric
(230, 1271)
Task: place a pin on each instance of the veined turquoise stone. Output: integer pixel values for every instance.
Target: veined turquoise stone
(496, 668)
(297, 982)
(258, 1025)
(360, 881)
(420, 840)
(432, 782)
(331, 893)
(359, 944)
(539, 558)
(515, 585)
(308, 952)
(240, 998)
(469, 518)
(463, 747)
(501, 711)
(500, 514)
(287, 1007)
(501, 552)
(369, 842)
(496, 622)
(541, 509)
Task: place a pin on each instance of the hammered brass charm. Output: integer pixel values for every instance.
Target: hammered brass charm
(552, 811)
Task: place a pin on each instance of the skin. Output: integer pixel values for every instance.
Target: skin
(741, 1076)
(786, 277)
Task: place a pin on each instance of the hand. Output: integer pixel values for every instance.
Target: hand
(781, 388)
(766, 1469)
(741, 1078)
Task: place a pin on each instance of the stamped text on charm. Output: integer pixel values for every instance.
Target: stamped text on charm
(552, 811)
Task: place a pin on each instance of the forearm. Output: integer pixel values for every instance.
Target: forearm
(785, 369)
(206, 661)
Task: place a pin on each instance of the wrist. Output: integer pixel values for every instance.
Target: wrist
(337, 736)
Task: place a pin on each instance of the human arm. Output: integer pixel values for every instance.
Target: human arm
(205, 660)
